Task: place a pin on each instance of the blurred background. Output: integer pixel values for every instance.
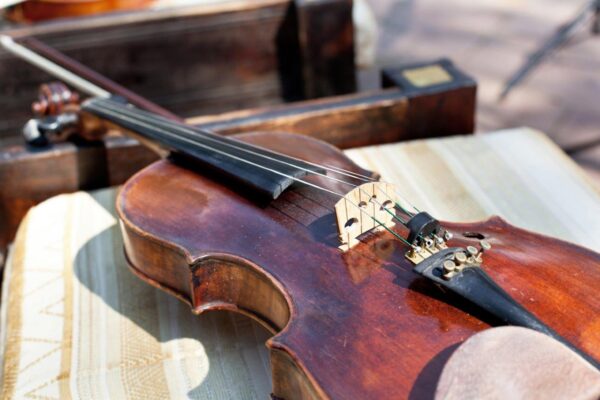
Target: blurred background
(491, 40)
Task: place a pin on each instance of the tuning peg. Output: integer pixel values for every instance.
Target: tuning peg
(485, 245)
(450, 269)
(38, 131)
(460, 257)
(472, 251)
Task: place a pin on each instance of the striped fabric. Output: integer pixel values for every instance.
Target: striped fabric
(518, 174)
(80, 325)
(77, 324)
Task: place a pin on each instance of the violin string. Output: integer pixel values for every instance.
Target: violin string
(370, 179)
(75, 80)
(223, 141)
(109, 105)
(212, 137)
(366, 178)
(185, 139)
(208, 135)
(352, 174)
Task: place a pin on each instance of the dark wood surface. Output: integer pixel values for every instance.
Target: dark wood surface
(31, 11)
(29, 177)
(198, 59)
(326, 38)
(359, 324)
(345, 121)
(384, 116)
(364, 119)
(94, 77)
(435, 106)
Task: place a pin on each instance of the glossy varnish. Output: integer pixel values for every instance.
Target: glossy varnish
(348, 325)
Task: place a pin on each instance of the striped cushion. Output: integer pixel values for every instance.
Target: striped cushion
(518, 174)
(77, 324)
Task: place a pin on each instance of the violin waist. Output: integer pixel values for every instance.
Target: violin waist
(355, 324)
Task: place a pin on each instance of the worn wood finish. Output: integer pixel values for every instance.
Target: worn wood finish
(237, 55)
(329, 50)
(358, 324)
(345, 121)
(42, 10)
(439, 107)
(384, 116)
(30, 177)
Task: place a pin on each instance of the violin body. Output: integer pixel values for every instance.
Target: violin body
(41, 10)
(357, 324)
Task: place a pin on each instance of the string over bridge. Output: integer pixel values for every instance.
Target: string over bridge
(367, 207)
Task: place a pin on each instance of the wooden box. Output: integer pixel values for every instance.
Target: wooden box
(199, 59)
(387, 115)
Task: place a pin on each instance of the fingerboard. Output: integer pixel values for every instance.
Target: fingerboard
(265, 173)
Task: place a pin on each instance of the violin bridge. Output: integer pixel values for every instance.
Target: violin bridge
(370, 206)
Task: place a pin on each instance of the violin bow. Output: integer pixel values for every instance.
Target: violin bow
(76, 74)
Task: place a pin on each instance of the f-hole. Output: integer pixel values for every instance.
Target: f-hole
(350, 223)
(386, 205)
(474, 235)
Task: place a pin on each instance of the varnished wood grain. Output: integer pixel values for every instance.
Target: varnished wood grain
(360, 119)
(361, 324)
(30, 11)
(345, 121)
(197, 59)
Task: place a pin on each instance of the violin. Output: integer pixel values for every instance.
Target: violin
(42, 10)
(227, 231)
(366, 296)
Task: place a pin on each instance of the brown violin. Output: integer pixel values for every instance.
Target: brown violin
(366, 296)
(42, 10)
(356, 322)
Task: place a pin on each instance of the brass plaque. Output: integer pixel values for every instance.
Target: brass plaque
(427, 76)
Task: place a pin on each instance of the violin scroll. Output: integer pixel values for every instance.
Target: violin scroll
(58, 117)
(53, 99)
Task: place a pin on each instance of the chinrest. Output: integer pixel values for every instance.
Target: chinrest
(516, 363)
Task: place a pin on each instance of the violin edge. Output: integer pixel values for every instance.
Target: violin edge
(515, 241)
(290, 378)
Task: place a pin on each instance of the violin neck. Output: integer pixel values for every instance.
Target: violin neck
(263, 173)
